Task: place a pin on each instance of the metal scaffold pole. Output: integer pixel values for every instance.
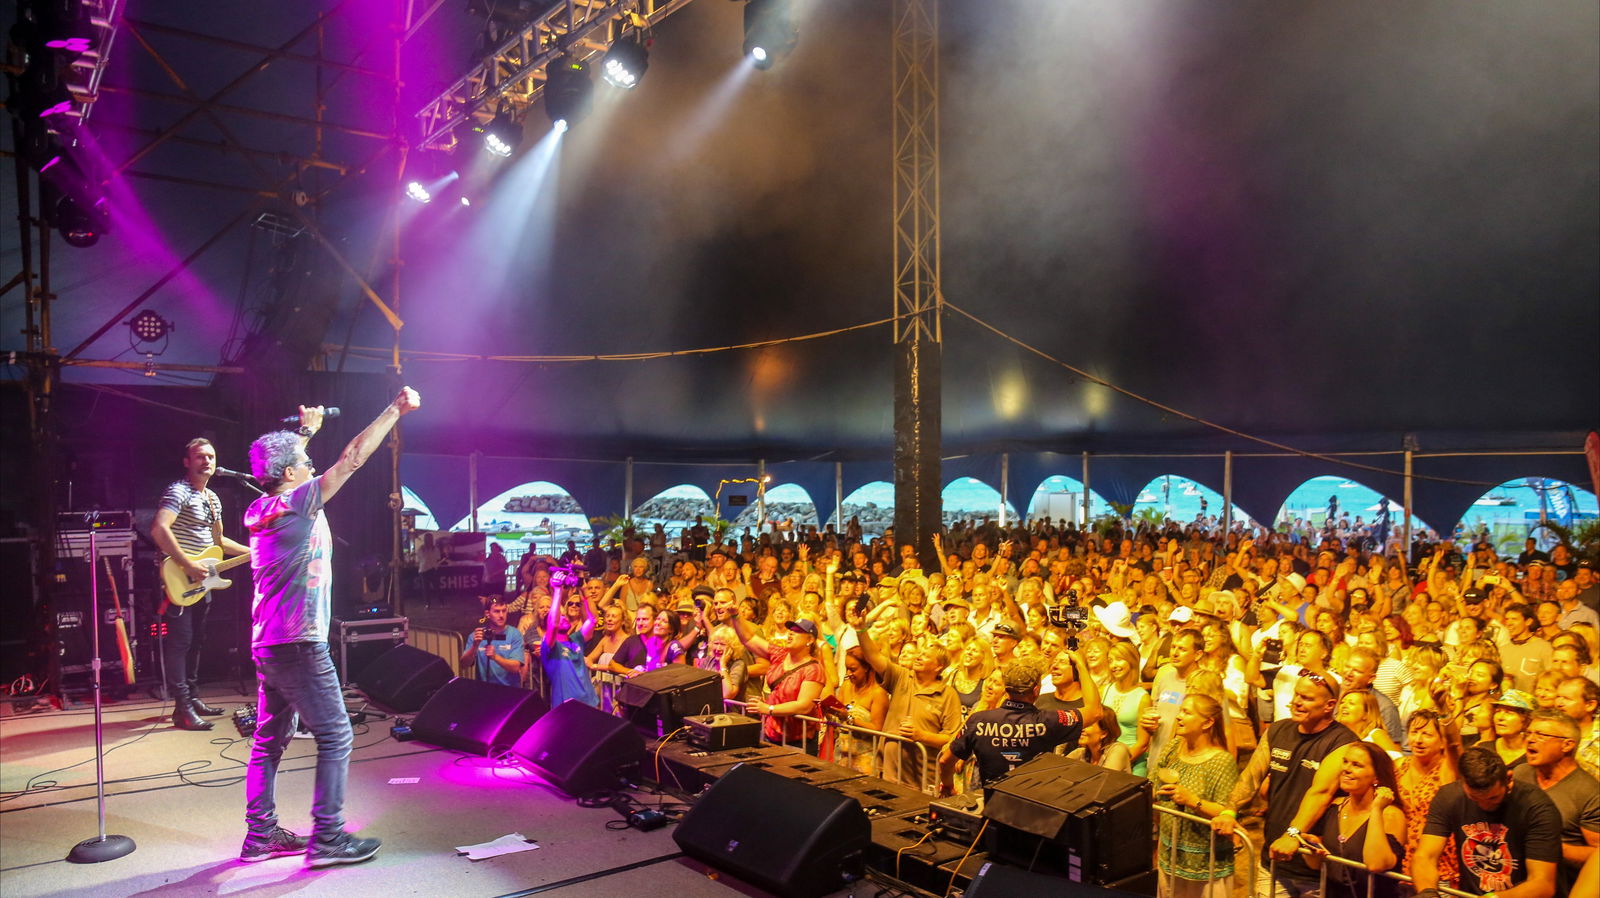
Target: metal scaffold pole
(918, 300)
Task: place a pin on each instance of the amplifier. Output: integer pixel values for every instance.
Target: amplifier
(961, 815)
(717, 732)
(84, 521)
(109, 543)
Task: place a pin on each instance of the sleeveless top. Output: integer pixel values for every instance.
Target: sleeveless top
(1347, 882)
(1126, 705)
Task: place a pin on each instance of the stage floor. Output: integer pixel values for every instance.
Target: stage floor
(180, 796)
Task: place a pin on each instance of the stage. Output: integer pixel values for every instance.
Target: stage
(180, 796)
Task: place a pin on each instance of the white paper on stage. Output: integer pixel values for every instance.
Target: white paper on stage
(510, 844)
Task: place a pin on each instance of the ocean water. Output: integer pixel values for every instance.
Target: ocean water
(1512, 506)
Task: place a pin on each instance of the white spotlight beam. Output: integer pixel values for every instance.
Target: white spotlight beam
(515, 69)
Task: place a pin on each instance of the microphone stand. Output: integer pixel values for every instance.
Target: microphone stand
(103, 848)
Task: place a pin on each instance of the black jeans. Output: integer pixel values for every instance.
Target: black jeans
(186, 636)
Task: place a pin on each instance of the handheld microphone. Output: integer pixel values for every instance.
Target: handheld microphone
(331, 411)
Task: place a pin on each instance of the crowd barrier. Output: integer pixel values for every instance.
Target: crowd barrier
(877, 738)
(1239, 839)
(1372, 876)
(446, 644)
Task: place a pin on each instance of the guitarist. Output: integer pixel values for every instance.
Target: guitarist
(189, 521)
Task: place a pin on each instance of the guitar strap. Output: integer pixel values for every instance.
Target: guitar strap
(216, 523)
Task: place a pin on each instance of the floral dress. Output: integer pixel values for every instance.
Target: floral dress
(1416, 797)
(1185, 844)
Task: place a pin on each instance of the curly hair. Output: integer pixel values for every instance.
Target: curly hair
(271, 454)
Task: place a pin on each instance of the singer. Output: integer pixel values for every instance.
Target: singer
(293, 553)
(189, 521)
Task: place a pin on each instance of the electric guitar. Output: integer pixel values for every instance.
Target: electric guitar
(123, 648)
(185, 590)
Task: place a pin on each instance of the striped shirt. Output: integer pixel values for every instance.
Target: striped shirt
(197, 510)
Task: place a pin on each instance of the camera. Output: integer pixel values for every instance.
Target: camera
(1070, 616)
(494, 635)
(1271, 651)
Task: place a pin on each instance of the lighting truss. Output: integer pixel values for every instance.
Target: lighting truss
(84, 74)
(515, 70)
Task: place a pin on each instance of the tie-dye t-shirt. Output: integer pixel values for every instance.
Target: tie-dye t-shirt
(292, 557)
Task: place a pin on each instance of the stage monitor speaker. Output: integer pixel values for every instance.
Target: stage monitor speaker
(1000, 881)
(658, 701)
(404, 678)
(1057, 815)
(579, 749)
(475, 717)
(815, 845)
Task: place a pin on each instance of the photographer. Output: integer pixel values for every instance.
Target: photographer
(496, 650)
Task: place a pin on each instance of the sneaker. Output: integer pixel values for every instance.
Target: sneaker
(341, 849)
(279, 843)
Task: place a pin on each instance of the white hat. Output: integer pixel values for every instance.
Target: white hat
(1295, 580)
(1181, 614)
(1116, 619)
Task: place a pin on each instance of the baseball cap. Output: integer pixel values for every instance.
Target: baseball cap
(1006, 630)
(1473, 596)
(1181, 614)
(1514, 698)
(803, 625)
(1022, 674)
(686, 606)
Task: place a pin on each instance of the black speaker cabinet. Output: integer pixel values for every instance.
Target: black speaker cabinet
(74, 622)
(658, 701)
(689, 770)
(1000, 881)
(805, 851)
(404, 678)
(1065, 817)
(474, 716)
(579, 749)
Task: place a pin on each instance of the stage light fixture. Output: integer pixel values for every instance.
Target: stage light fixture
(626, 62)
(416, 191)
(567, 91)
(769, 31)
(148, 326)
(502, 135)
(465, 201)
(79, 226)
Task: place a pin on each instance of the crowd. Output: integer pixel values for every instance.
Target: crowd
(1430, 710)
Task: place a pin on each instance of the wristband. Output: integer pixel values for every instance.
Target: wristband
(1228, 812)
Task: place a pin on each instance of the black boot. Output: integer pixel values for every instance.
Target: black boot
(199, 706)
(183, 716)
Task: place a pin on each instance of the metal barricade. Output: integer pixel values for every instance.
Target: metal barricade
(608, 684)
(1241, 841)
(1372, 875)
(930, 773)
(446, 644)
